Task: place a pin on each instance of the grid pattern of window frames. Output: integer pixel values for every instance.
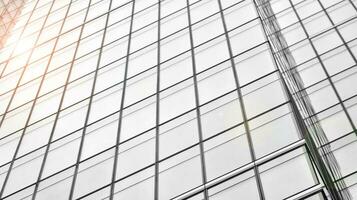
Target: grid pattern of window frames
(9, 10)
(174, 99)
(321, 37)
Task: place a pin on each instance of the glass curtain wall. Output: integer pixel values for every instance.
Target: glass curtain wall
(179, 99)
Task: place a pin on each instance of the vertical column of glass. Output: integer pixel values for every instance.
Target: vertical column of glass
(75, 193)
(197, 103)
(242, 105)
(50, 139)
(116, 164)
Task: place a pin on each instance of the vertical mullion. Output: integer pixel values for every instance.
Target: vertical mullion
(71, 194)
(60, 103)
(115, 163)
(241, 103)
(197, 103)
(157, 130)
(32, 106)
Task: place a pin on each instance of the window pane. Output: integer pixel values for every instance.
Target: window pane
(220, 115)
(287, 175)
(243, 186)
(178, 134)
(226, 152)
(176, 100)
(94, 173)
(179, 174)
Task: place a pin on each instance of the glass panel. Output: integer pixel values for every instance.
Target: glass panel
(24, 172)
(302, 52)
(322, 96)
(46, 105)
(94, 173)
(15, 120)
(326, 41)
(337, 60)
(211, 53)
(202, 9)
(144, 113)
(273, 130)
(140, 87)
(344, 149)
(137, 186)
(89, 44)
(71, 119)
(346, 30)
(36, 135)
(305, 9)
(246, 37)
(172, 23)
(311, 72)
(287, 175)
(341, 12)
(174, 45)
(220, 115)
(257, 96)
(119, 29)
(243, 186)
(142, 60)
(316, 23)
(56, 187)
(177, 100)
(24, 94)
(84, 65)
(119, 47)
(143, 37)
(100, 136)
(210, 84)
(110, 75)
(62, 154)
(105, 103)
(226, 152)
(8, 146)
(54, 80)
(136, 154)
(344, 81)
(145, 17)
(240, 13)
(78, 90)
(175, 70)
(178, 134)
(180, 174)
(334, 122)
(254, 64)
(207, 29)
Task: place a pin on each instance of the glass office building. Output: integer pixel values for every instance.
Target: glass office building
(178, 99)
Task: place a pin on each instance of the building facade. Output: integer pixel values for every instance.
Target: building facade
(178, 99)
